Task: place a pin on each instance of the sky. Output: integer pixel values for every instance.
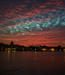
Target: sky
(32, 22)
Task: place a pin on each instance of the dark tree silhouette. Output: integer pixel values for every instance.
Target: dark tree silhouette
(11, 44)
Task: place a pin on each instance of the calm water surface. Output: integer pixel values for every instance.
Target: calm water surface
(32, 63)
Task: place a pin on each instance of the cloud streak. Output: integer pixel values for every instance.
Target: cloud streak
(29, 21)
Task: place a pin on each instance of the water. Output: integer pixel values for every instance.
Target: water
(32, 63)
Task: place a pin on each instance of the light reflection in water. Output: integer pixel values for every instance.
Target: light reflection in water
(33, 63)
(11, 55)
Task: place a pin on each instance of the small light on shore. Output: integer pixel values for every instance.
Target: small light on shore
(64, 50)
(52, 49)
(44, 49)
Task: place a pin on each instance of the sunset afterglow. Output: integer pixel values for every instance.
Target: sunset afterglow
(32, 22)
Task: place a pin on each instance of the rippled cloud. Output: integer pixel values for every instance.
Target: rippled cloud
(26, 18)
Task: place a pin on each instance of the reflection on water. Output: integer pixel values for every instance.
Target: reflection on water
(11, 55)
(32, 63)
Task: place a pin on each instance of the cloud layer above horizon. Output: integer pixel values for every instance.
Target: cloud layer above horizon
(29, 21)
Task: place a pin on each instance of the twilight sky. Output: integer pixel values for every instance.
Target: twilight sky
(32, 22)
